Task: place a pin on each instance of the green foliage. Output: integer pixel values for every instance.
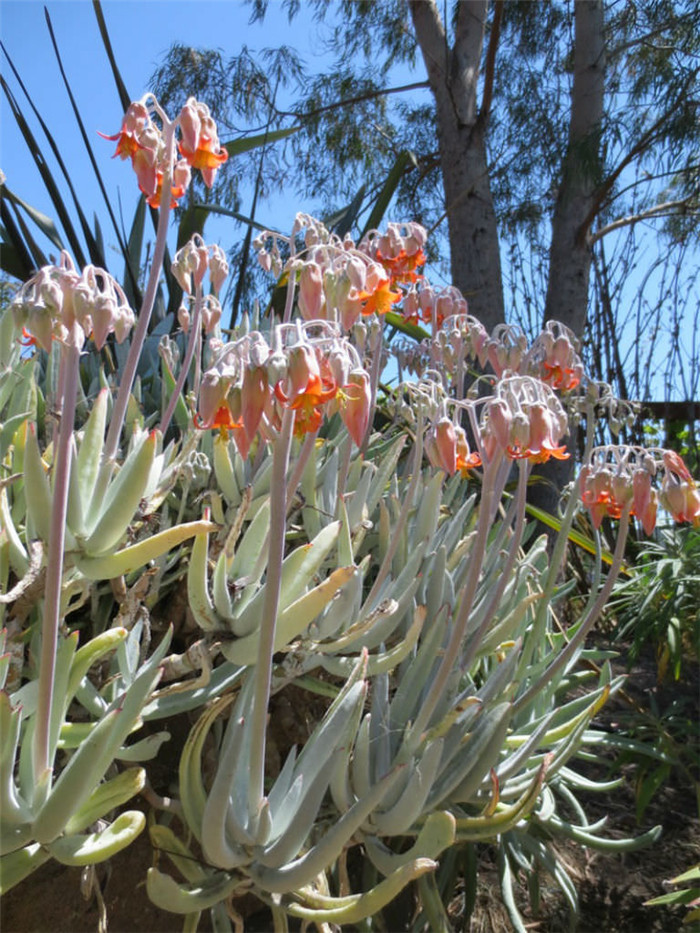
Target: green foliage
(688, 894)
(658, 606)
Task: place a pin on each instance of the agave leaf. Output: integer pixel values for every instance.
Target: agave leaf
(342, 221)
(42, 165)
(396, 173)
(44, 223)
(436, 835)
(102, 26)
(97, 847)
(304, 869)
(96, 254)
(356, 908)
(189, 898)
(107, 796)
(164, 840)
(16, 866)
(15, 258)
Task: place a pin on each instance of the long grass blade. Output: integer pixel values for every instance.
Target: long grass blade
(106, 41)
(41, 164)
(389, 187)
(95, 254)
(15, 258)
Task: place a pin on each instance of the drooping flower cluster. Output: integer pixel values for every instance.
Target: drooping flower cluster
(447, 447)
(523, 420)
(433, 306)
(460, 341)
(553, 357)
(152, 153)
(307, 368)
(189, 267)
(616, 478)
(339, 281)
(58, 303)
(399, 249)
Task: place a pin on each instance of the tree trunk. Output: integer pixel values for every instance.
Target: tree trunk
(570, 254)
(570, 251)
(453, 74)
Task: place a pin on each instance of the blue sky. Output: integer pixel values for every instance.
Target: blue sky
(141, 33)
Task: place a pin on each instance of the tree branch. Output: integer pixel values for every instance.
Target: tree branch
(470, 29)
(490, 64)
(369, 95)
(431, 38)
(645, 140)
(667, 209)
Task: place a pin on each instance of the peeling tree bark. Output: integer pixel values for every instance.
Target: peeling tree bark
(461, 125)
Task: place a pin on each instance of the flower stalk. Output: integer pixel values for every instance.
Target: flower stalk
(70, 356)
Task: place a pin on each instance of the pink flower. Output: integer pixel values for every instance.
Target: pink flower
(355, 399)
(200, 142)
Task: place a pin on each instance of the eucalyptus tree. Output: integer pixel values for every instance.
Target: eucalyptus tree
(540, 137)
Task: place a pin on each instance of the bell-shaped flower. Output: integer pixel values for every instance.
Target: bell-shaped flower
(644, 500)
(255, 394)
(218, 267)
(308, 388)
(200, 145)
(212, 395)
(355, 404)
(135, 120)
(466, 458)
(311, 295)
(184, 318)
(211, 313)
(679, 494)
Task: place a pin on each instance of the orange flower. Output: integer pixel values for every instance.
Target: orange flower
(308, 404)
(402, 267)
(127, 144)
(560, 377)
(207, 157)
(380, 300)
(176, 191)
(537, 456)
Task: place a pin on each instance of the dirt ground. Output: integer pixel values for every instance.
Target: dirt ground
(611, 888)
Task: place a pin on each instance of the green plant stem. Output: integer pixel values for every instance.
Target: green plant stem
(432, 905)
(263, 668)
(476, 560)
(70, 358)
(192, 342)
(589, 619)
(403, 517)
(558, 556)
(506, 571)
(307, 446)
(140, 332)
